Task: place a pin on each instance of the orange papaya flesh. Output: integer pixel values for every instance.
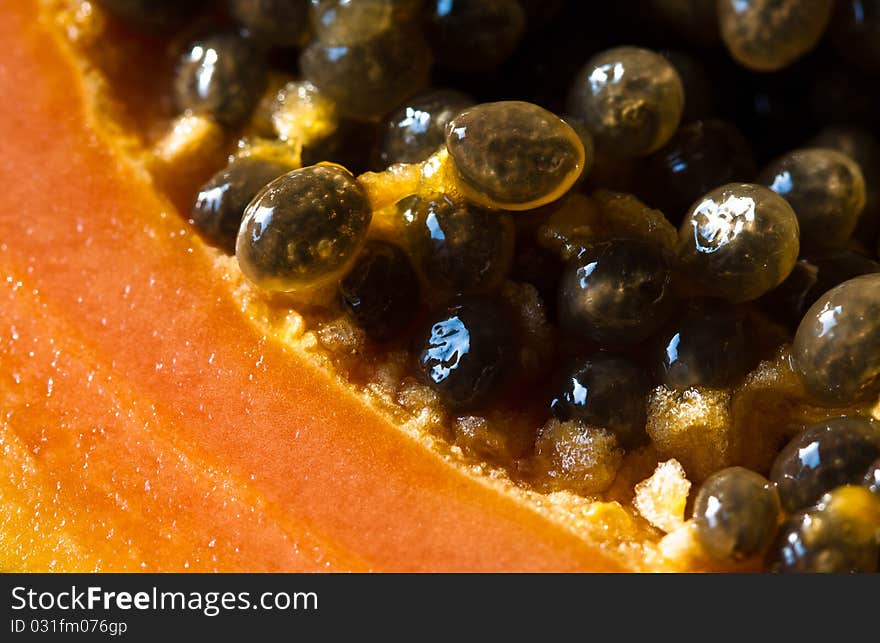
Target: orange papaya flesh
(147, 425)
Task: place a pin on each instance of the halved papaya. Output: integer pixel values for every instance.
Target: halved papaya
(147, 424)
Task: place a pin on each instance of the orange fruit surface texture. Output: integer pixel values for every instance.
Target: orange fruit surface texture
(145, 424)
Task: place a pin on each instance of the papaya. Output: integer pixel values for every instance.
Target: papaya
(160, 413)
(147, 425)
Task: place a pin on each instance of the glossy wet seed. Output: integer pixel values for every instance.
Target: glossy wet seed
(615, 292)
(513, 154)
(273, 23)
(825, 188)
(707, 346)
(607, 391)
(811, 277)
(631, 100)
(345, 22)
(457, 247)
(838, 536)
(872, 477)
(837, 344)
(303, 230)
(220, 203)
(222, 76)
(381, 292)
(767, 35)
(466, 350)
(861, 146)
(418, 128)
(738, 241)
(736, 514)
(824, 456)
(701, 156)
(369, 78)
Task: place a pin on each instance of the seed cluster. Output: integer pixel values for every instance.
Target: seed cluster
(567, 224)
